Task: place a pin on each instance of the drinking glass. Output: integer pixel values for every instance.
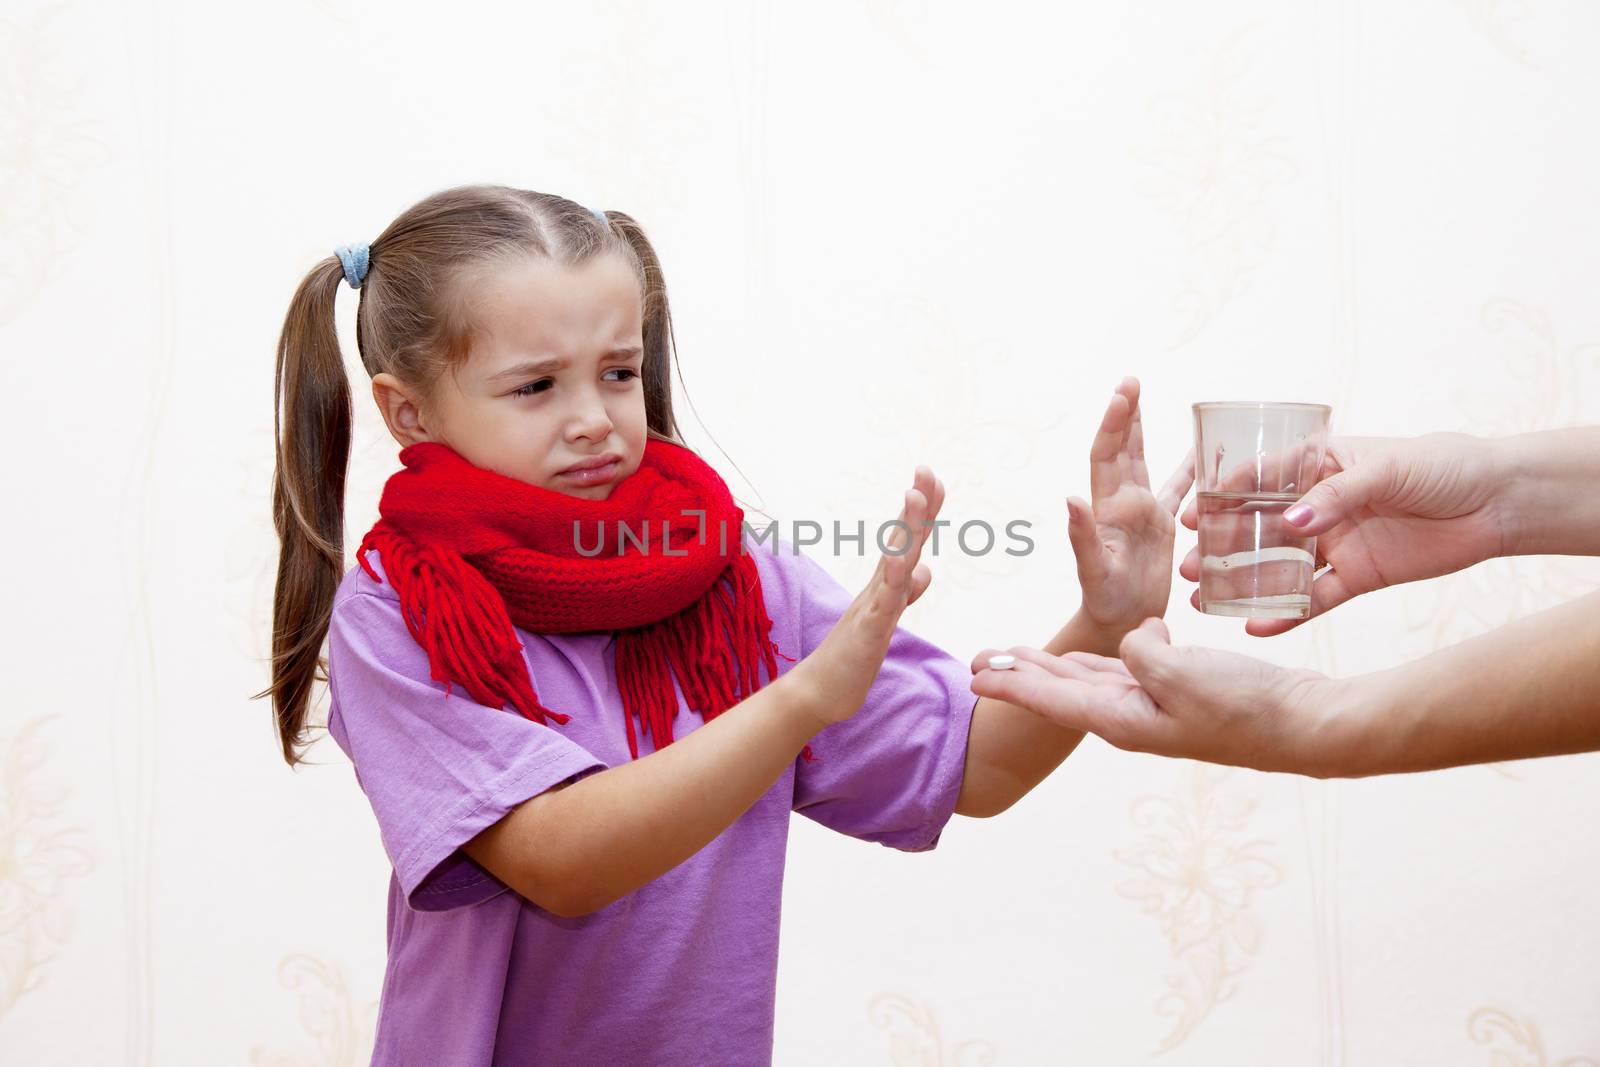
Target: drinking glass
(1254, 459)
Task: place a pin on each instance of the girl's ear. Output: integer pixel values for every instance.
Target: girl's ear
(401, 409)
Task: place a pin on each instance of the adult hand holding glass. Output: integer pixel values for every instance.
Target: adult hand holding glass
(1393, 510)
(1529, 688)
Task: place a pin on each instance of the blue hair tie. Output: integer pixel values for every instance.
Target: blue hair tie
(601, 215)
(354, 258)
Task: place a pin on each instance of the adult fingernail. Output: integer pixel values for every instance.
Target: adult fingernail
(1298, 515)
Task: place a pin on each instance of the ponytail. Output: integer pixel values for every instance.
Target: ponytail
(312, 418)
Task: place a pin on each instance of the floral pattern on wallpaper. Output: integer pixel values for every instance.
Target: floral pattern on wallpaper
(1198, 873)
(1213, 164)
(39, 852)
(1546, 381)
(1514, 1042)
(915, 1039)
(342, 1031)
(47, 147)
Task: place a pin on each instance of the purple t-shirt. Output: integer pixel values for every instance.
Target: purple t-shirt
(684, 969)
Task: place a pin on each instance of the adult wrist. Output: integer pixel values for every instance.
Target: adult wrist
(1349, 734)
(1548, 491)
(1514, 488)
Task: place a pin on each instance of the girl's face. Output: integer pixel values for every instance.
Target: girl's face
(552, 380)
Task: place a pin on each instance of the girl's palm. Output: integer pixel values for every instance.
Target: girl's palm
(839, 671)
(1123, 542)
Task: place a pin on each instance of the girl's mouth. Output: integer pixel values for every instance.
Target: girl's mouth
(592, 475)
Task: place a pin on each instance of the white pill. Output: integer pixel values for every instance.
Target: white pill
(1002, 663)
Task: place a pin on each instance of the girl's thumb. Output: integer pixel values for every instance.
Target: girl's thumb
(1080, 531)
(1331, 501)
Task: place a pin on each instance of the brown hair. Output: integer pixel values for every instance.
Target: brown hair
(411, 322)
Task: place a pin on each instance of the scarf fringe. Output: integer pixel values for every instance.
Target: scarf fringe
(461, 621)
(715, 647)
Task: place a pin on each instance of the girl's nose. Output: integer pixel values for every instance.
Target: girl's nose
(590, 420)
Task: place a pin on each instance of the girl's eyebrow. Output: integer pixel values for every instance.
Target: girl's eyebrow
(553, 363)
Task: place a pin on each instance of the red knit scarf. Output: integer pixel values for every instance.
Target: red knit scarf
(471, 551)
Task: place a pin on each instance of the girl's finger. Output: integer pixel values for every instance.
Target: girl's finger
(1104, 475)
(1085, 541)
(921, 577)
(1129, 388)
(1177, 487)
(900, 554)
(1135, 449)
(924, 481)
(933, 492)
(910, 501)
(1135, 440)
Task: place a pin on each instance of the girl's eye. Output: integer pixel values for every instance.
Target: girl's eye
(533, 387)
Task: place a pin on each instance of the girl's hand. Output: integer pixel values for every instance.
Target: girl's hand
(1124, 542)
(837, 674)
(1194, 703)
(1392, 510)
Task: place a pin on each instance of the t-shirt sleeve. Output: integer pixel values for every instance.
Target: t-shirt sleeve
(436, 767)
(892, 772)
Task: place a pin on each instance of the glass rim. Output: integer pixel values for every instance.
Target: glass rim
(1259, 404)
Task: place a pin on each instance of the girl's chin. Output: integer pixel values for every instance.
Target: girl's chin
(585, 492)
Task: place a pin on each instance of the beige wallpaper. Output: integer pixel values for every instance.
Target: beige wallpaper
(895, 232)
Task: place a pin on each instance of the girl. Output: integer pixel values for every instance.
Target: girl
(581, 779)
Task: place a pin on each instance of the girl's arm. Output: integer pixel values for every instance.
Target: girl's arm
(1011, 749)
(1123, 544)
(576, 848)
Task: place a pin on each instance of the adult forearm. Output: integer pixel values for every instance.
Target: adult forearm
(1550, 501)
(630, 824)
(1529, 688)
